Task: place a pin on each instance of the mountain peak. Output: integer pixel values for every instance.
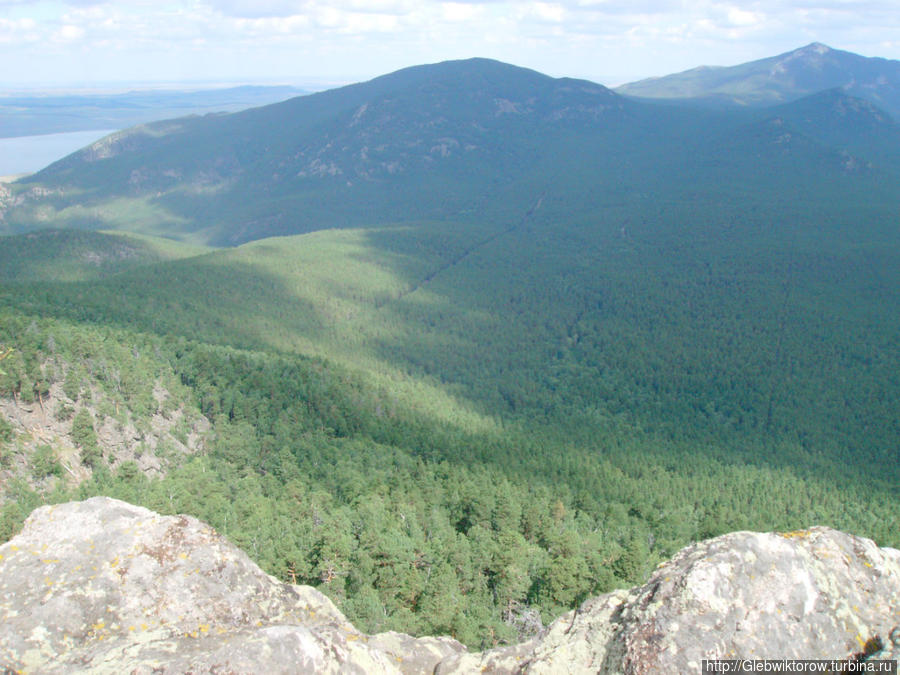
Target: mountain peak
(815, 48)
(780, 79)
(476, 72)
(812, 54)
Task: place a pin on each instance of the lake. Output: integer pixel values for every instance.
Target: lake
(27, 154)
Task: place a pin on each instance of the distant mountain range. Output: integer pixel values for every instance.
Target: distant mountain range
(35, 114)
(474, 139)
(780, 79)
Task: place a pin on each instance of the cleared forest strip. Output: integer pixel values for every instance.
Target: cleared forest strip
(467, 252)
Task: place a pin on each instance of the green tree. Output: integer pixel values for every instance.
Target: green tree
(44, 462)
(5, 353)
(84, 436)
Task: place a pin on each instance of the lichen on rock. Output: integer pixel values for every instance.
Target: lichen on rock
(104, 586)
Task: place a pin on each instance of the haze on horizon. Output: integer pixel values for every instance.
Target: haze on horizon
(88, 43)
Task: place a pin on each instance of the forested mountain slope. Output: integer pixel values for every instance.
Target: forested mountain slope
(853, 125)
(472, 141)
(423, 142)
(777, 79)
(76, 255)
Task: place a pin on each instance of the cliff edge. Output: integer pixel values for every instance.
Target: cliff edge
(104, 586)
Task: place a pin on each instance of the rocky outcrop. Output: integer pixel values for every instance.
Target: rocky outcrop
(811, 594)
(165, 437)
(104, 586)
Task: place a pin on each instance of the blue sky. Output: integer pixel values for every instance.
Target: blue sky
(85, 43)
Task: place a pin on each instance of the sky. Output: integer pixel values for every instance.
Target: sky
(92, 43)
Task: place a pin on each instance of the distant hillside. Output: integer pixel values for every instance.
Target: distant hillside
(75, 255)
(475, 141)
(853, 125)
(842, 133)
(781, 78)
(432, 141)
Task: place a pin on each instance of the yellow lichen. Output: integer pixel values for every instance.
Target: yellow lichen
(795, 534)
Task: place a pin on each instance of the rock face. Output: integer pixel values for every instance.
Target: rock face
(811, 594)
(103, 586)
(107, 587)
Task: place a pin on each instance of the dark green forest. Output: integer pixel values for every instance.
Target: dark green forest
(454, 452)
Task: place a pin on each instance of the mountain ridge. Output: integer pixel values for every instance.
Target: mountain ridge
(778, 79)
(460, 140)
(409, 131)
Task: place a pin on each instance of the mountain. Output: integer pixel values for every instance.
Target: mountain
(475, 142)
(853, 125)
(779, 79)
(106, 586)
(425, 142)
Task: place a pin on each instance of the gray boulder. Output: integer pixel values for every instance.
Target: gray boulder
(107, 587)
(811, 594)
(104, 586)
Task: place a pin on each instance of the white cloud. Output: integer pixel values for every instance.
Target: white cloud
(552, 12)
(207, 38)
(255, 9)
(459, 11)
(740, 17)
(69, 33)
(284, 8)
